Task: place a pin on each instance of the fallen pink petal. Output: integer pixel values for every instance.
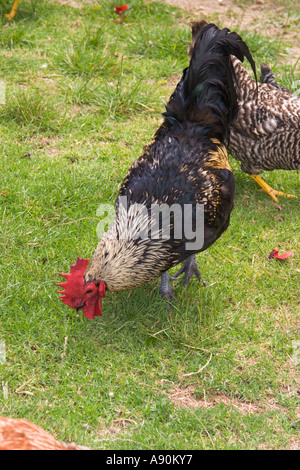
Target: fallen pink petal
(275, 254)
(120, 9)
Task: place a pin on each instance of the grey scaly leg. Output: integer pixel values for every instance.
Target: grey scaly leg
(190, 268)
(165, 289)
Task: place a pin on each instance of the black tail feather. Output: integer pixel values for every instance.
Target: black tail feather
(207, 94)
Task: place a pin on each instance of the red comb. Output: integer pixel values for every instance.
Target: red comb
(275, 254)
(74, 285)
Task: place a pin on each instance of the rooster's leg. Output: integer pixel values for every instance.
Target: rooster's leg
(190, 268)
(165, 289)
(10, 15)
(272, 192)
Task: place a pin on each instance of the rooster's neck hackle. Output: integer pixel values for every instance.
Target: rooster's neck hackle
(218, 158)
(124, 260)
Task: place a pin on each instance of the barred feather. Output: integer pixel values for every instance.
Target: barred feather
(266, 134)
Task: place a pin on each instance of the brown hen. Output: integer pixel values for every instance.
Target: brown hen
(266, 134)
(20, 434)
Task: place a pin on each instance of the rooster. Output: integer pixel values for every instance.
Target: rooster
(186, 165)
(266, 133)
(20, 434)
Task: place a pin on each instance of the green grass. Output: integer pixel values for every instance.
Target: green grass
(84, 94)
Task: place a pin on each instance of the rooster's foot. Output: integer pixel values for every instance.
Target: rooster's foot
(166, 290)
(190, 268)
(272, 192)
(13, 12)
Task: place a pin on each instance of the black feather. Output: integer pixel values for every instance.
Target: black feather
(206, 92)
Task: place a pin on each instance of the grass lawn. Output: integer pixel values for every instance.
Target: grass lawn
(84, 94)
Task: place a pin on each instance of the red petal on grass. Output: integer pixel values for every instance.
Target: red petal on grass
(284, 255)
(275, 254)
(121, 8)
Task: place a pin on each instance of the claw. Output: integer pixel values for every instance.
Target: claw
(190, 268)
(13, 12)
(272, 192)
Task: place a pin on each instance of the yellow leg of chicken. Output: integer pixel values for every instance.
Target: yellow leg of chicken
(10, 15)
(272, 192)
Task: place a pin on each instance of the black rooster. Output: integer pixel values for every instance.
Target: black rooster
(184, 167)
